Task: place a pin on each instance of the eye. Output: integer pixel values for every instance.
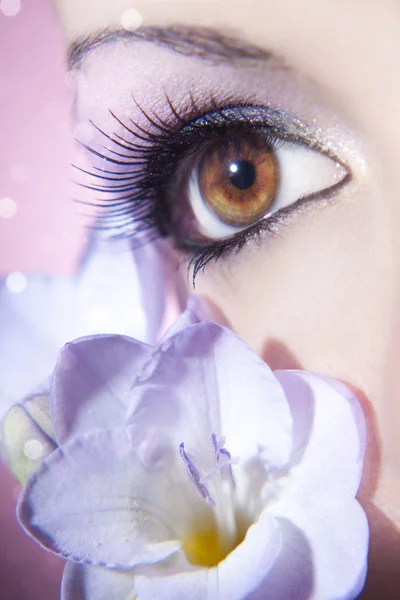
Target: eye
(213, 182)
(244, 178)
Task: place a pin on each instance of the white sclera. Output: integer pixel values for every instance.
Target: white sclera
(302, 171)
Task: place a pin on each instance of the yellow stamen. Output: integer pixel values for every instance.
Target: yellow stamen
(204, 546)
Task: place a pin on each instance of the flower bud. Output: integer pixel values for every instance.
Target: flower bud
(26, 436)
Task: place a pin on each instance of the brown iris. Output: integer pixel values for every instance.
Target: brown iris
(239, 179)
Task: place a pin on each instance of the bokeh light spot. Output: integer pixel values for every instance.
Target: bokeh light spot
(10, 8)
(131, 19)
(16, 282)
(8, 208)
(33, 449)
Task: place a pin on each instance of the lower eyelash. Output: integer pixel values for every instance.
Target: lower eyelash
(135, 173)
(213, 252)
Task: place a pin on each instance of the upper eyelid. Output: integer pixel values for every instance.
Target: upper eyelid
(282, 125)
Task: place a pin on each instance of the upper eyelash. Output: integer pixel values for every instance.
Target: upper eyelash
(149, 161)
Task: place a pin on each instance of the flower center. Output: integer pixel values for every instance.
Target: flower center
(213, 537)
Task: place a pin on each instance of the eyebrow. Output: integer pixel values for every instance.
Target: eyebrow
(201, 42)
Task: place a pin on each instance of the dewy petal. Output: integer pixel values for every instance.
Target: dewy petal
(92, 382)
(83, 582)
(172, 579)
(118, 289)
(233, 579)
(318, 494)
(205, 380)
(92, 501)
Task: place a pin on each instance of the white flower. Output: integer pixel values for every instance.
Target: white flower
(226, 481)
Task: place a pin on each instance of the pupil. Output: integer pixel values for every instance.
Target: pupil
(242, 174)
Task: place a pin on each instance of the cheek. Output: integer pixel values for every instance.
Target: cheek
(322, 291)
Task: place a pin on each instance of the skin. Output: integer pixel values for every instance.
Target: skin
(324, 295)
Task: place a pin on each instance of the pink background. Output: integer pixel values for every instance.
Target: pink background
(45, 234)
(36, 146)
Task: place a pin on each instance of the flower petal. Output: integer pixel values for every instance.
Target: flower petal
(93, 501)
(318, 493)
(205, 380)
(189, 317)
(38, 407)
(82, 582)
(292, 574)
(233, 579)
(195, 312)
(92, 382)
(123, 287)
(171, 579)
(329, 439)
(245, 567)
(339, 545)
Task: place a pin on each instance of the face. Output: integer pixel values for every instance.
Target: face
(269, 162)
